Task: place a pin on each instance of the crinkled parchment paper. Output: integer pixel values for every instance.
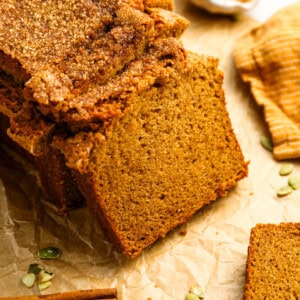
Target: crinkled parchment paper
(211, 254)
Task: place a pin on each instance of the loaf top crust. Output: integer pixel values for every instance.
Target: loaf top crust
(66, 52)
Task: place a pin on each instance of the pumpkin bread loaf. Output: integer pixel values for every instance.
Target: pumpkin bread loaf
(53, 54)
(273, 265)
(139, 123)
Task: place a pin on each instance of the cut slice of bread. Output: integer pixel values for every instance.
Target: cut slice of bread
(273, 263)
(172, 153)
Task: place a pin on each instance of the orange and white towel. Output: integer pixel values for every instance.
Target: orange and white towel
(268, 57)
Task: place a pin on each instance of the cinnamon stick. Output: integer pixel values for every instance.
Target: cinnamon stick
(95, 294)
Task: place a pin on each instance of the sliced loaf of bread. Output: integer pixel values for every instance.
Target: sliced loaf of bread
(138, 122)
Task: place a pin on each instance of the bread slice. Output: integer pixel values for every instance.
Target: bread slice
(172, 153)
(273, 264)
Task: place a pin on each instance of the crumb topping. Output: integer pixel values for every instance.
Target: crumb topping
(80, 62)
(68, 46)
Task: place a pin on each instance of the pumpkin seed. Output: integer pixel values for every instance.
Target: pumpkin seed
(35, 268)
(286, 169)
(294, 182)
(49, 253)
(191, 296)
(284, 191)
(196, 290)
(37, 272)
(44, 285)
(45, 276)
(29, 280)
(266, 143)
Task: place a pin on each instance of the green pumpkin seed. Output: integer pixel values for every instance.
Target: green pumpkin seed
(196, 290)
(286, 169)
(284, 191)
(35, 268)
(266, 143)
(44, 285)
(29, 280)
(294, 182)
(191, 296)
(49, 253)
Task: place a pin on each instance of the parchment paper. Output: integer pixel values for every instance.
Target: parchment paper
(212, 253)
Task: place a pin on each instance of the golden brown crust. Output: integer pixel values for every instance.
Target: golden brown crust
(166, 23)
(165, 4)
(55, 179)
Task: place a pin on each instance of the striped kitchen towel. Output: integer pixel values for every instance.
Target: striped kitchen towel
(268, 58)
